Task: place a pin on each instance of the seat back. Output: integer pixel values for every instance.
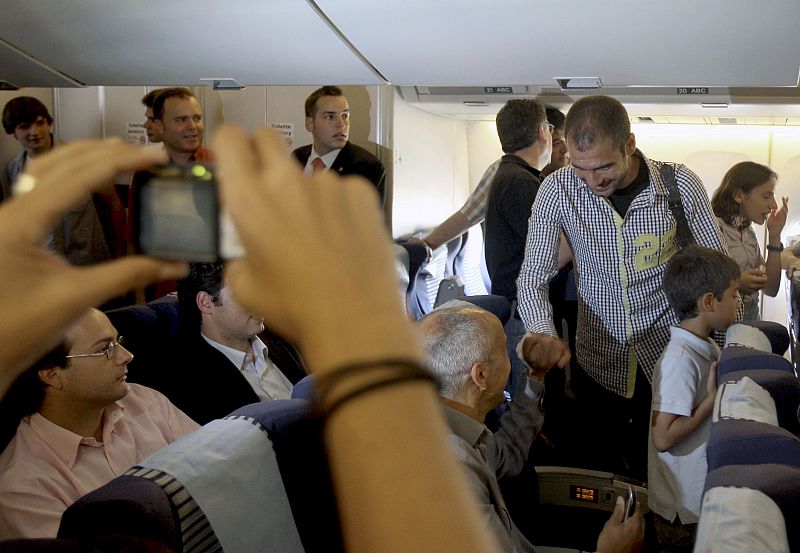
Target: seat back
(736, 358)
(784, 389)
(747, 510)
(126, 506)
(257, 480)
(744, 442)
(766, 335)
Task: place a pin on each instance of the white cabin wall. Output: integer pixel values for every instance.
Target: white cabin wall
(431, 169)
(484, 149)
(708, 150)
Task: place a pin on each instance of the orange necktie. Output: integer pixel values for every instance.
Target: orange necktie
(317, 165)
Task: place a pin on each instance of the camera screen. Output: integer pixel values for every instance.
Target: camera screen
(178, 220)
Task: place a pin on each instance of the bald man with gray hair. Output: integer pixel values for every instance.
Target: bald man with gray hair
(465, 348)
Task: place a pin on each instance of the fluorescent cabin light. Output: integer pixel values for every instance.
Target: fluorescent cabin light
(578, 83)
(222, 83)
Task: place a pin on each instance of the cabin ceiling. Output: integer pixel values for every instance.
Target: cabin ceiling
(433, 43)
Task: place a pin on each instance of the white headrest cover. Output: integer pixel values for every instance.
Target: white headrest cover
(744, 400)
(742, 520)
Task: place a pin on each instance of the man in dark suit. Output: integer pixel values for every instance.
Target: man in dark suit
(225, 358)
(328, 120)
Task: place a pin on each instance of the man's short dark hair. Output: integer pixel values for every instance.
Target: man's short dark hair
(518, 124)
(202, 277)
(149, 99)
(555, 117)
(24, 111)
(311, 101)
(693, 272)
(596, 118)
(165, 94)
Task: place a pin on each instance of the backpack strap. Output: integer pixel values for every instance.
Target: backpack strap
(684, 234)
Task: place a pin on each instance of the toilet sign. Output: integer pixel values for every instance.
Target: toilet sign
(136, 134)
(286, 131)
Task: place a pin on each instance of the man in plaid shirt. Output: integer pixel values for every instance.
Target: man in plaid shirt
(611, 204)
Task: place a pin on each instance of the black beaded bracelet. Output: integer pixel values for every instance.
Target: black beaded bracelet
(778, 248)
(409, 370)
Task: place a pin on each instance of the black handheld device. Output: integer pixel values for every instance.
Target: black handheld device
(176, 215)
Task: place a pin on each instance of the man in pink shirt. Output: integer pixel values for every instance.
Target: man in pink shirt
(84, 426)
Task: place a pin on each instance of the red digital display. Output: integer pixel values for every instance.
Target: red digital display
(579, 493)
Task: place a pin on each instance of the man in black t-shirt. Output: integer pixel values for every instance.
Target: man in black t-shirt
(526, 138)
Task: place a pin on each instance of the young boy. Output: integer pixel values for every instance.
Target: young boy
(701, 286)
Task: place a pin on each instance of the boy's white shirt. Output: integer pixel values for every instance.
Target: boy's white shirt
(676, 477)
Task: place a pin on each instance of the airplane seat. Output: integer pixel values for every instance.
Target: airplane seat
(149, 331)
(169, 314)
(746, 510)
(218, 481)
(498, 305)
(763, 335)
(425, 280)
(456, 249)
(128, 506)
(450, 288)
(304, 389)
(297, 439)
(784, 389)
(43, 545)
(745, 442)
(417, 297)
(735, 358)
(402, 268)
(465, 257)
(744, 399)
(105, 544)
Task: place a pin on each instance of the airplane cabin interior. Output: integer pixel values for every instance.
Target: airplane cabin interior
(706, 84)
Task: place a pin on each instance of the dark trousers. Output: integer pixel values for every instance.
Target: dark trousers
(674, 537)
(595, 429)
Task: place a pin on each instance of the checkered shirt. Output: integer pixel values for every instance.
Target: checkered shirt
(623, 314)
(475, 207)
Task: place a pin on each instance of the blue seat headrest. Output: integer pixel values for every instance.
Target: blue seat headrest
(497, 305)
(740, 358)
(304, 389)
(745, 442)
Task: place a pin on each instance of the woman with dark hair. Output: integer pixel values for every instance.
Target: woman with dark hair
(746, 196)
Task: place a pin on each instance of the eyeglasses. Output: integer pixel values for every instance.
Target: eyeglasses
(109, 351)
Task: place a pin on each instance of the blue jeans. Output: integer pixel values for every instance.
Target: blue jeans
(515, 330)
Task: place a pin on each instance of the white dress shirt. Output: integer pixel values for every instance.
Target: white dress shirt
(327, 159)
(266, 379)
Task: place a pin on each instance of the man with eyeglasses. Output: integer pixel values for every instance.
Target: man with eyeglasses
(526, 138)
(82, 425)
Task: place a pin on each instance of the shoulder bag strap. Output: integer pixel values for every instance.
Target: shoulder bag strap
(684, 234)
